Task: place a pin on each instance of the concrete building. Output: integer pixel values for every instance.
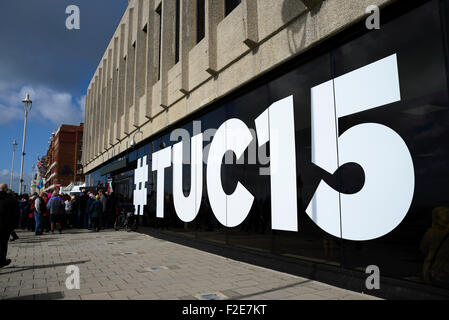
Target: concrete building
(169, 59)
(63, 159)
(355, 119)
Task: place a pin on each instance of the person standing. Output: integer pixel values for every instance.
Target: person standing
(96, 211)
(16, 217)
(24, 206)
(75, 209)
(9, 211)
(89, 203)
(38, 213)
(68, 210)
(46, 215)
(110, 210)
(102, 218)
(31, 209)
(56, 207)
(82, 210)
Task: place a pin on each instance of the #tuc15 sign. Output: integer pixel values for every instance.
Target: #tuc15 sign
(378, 208)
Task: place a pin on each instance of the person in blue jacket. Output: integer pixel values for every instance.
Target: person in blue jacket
(96, 212)
(56, 206)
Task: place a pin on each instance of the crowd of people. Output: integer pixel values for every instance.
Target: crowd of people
(46, 212)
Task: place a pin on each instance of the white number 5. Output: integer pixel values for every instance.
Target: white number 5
(387, 194)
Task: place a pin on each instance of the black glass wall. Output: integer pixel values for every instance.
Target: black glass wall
(417, 249)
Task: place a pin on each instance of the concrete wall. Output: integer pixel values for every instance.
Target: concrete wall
(127, 93)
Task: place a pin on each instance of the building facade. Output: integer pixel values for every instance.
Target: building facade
(284, 127)
(64, 157)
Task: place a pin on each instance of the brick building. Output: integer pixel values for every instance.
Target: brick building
(63, 158)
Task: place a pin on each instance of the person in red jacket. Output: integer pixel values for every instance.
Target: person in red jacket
(31, 222)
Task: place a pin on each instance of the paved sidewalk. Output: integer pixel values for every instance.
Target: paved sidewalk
(122, 265)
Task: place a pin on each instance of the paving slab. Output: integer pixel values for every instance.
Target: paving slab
(120, 265)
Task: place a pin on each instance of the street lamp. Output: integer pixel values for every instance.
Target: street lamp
(14, 146)
(27, 103)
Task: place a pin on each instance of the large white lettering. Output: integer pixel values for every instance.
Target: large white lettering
(387, 194)
(161, 161)
(187, 207)
(374, 211)
(230, 210)
(276, 124)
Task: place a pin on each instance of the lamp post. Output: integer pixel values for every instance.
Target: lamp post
(27, 103)
(14, 146)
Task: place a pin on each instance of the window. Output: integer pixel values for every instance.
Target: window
(231, 5)
(200, 20)
(159, 16)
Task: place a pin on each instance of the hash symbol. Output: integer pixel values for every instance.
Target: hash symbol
(140, 178)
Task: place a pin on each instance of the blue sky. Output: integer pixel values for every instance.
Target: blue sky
(39, 55)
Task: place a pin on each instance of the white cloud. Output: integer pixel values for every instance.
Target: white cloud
(5, 177)
(9, 114)
(48, 105)
(82, 103)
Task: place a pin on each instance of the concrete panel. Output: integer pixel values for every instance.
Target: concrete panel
(130, 72)
(131, 117)
(151, 66)
(134, 26)
(114, 92)
(140, 110)
(125, 23)
(230, 38)
(156, 107)
(274, 15)
(174, 83)
(160, 122)
(177, 111)
(204, 95)
(121, 83)
(188, 27)
(250, 23)
(145, 16)
(122, 126)
(140, 65)
(147, 129)
(214, 14)
(168, 46)
(198, 64)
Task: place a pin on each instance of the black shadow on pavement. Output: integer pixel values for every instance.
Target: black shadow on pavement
(25, 268)
(41, 296)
